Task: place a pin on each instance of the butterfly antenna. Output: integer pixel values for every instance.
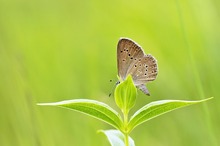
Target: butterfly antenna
(113, 88)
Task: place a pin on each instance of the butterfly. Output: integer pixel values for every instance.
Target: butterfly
(132, 60)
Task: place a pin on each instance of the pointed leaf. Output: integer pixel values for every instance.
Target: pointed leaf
(93, 108)
(116, 138)
(125, 94)
(158, 108)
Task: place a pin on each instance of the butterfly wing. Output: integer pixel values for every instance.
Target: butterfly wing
(144, 89)
(144, 70)
(132, 60)
(128, 52)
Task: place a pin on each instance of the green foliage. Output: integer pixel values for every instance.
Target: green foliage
(125, 96)
(93, 108)
(157, 108)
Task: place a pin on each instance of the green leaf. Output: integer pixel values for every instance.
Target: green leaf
(116, 138)
(93, 108)
(125, 94)
(158, 108)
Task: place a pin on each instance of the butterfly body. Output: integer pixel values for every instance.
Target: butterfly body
(132, 60)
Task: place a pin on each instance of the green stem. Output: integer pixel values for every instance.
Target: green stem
(125, 128)
(126, 140)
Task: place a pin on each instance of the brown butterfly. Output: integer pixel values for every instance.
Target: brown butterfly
(132, 60)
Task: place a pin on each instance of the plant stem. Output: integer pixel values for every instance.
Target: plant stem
(125, 128)
(126, 139)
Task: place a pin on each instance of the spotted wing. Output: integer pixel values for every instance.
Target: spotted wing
(144, 70)
(128, 53)
(132, 60)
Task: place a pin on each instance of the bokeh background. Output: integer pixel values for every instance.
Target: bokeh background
(58, 50)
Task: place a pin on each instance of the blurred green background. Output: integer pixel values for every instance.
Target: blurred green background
(58, 50)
